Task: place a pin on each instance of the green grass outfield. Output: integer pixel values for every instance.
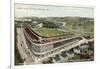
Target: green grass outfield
(50, 32)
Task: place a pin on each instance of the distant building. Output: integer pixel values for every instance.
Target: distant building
(40, 25)
(61, 24)
(34, 22)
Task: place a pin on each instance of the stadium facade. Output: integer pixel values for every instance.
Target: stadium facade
(42, 46)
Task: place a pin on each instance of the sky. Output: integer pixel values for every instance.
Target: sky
(29, 10)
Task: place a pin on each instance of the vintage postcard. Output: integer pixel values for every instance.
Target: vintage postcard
(48, 34)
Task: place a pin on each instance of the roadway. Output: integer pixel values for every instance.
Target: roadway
(22, 47)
